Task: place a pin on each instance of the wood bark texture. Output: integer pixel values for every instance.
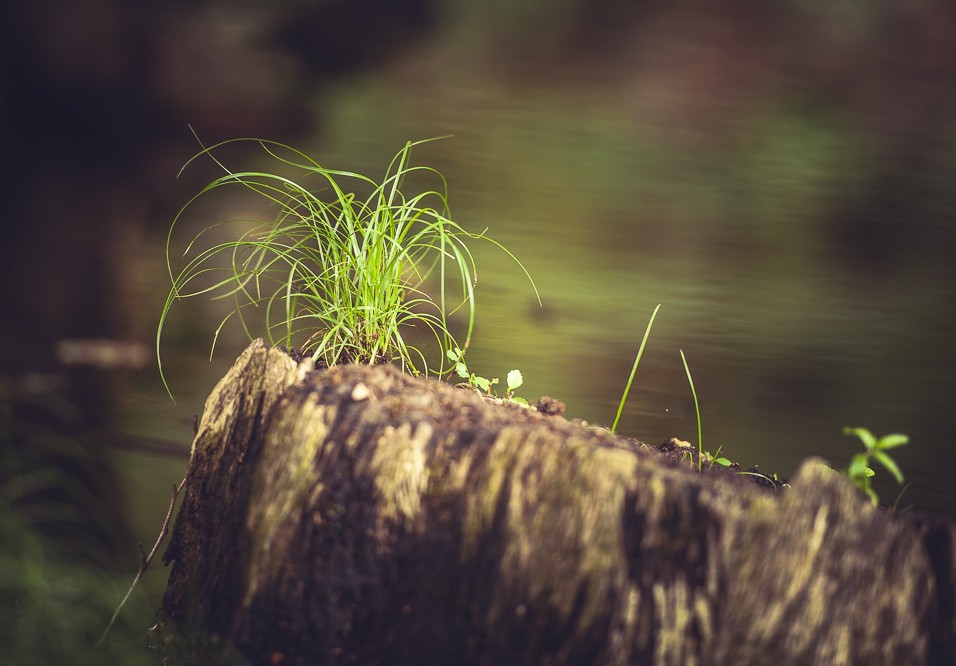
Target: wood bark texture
(358, 515)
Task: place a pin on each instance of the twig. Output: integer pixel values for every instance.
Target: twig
(145, 559)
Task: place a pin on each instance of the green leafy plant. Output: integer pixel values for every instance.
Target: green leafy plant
(341, 270)
(859, 470)
(513, 380)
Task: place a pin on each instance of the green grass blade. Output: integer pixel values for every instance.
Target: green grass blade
(889, 464)
(637, 362)
(693, 392)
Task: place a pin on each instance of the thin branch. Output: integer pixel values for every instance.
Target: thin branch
(145, 559)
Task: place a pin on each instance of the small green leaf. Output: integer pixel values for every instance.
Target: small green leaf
(890, 466)
(869, 441)
(858, 468)
(515, 380)
(520, 401)
(482, 383)
(892, 441)
(453, 354)
(461, 370)
(723, 462)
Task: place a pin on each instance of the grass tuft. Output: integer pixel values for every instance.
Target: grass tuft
(342, 270)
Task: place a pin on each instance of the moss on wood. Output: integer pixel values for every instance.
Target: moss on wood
(357, 515)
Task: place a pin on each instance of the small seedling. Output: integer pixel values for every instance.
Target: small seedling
(514, 380)
(859, 471)
(715, 458)
(457, 357)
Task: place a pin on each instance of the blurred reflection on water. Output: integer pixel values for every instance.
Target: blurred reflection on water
(800, 240)
(800, 243)
(782, 179)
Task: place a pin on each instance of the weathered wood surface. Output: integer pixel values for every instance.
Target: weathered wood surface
(357, 515)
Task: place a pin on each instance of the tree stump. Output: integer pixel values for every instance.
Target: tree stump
(359, 515)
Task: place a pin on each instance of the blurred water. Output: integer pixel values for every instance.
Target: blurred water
(780, 177)
(805, 294)
(800, 243)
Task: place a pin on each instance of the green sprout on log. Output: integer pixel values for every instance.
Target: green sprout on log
(859, 471)
(514, 379)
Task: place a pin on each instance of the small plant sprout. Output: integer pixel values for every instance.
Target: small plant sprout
(457, 357)
(637, 362)
(515, 380)
(859, 471)
(693, 392)
(483, 384)
(345, 268)
(715, 458)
